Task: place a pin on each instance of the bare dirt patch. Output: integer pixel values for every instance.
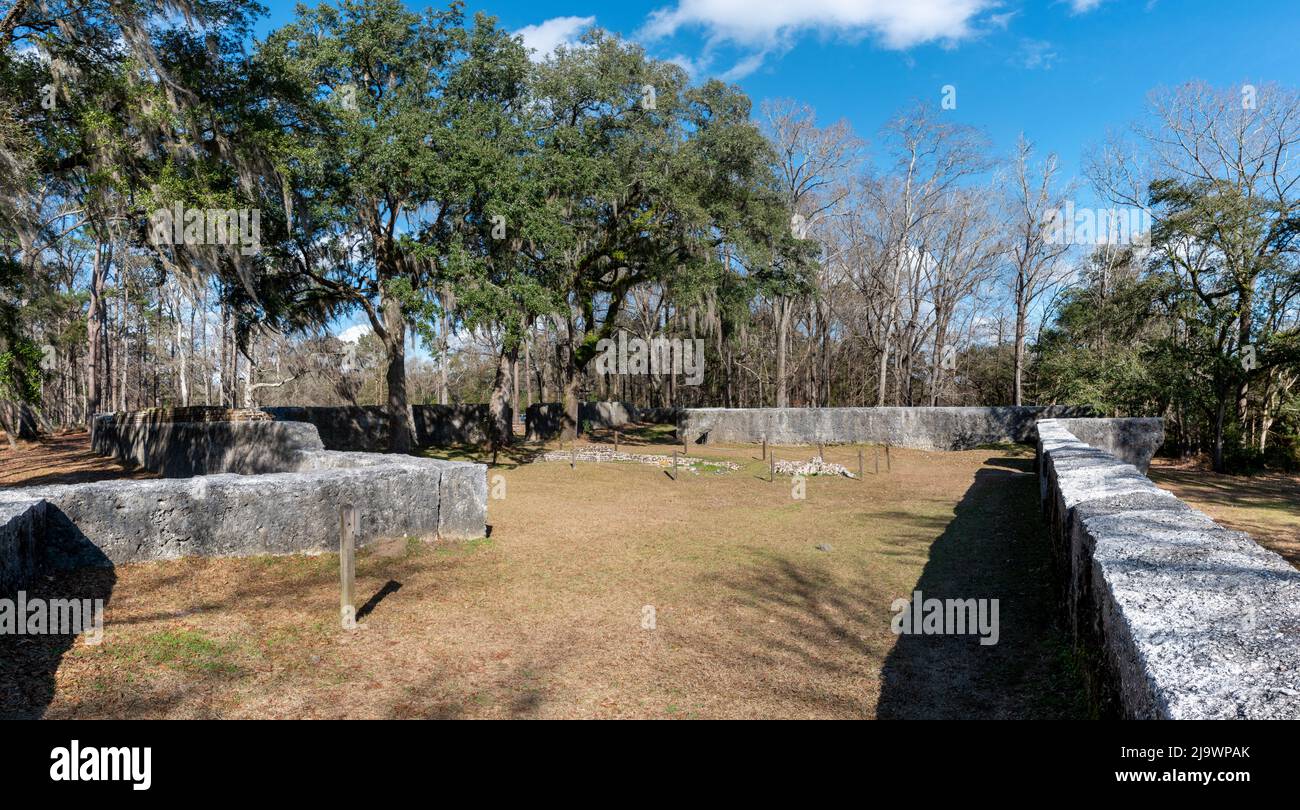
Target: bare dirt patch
(609, 591)
(62, 459)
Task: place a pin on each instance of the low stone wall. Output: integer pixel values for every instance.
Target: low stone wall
(184, 449)
(237, 489)
(22, 524)
(231, 515)
(659, 416)
(365, 429)
(917, 428)
(1131, 440)
(1183, 618)
(545, 420)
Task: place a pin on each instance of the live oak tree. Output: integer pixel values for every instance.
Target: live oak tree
(646, 178)
(485, 246)
(377, 104)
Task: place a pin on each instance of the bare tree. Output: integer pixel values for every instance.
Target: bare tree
(931, 159)
(1034, 202)
(810, 162)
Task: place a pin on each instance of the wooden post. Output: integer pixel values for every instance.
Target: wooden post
(616, 441)
(821, 451)
(674, 465)
(889, 465)
(685, 449)
(348, 526)
(764, 446)
(875, 455)
(573, 456)
(773, 458)
(860, 475)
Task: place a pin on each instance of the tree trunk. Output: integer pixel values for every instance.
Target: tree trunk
(444, 343)
(399, 427)
(1022, 316)
(571, 425)
(96, 335)
(528, 375)
(514, 383)
(11, 434)
(1217, 461)
(182, 370)
(500, 408)
(782, 337)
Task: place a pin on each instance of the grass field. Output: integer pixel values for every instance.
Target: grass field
(606, 591)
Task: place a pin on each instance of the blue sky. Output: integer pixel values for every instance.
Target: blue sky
(1061, 71)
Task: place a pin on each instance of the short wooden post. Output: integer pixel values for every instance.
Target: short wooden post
(573, 457)
(773, 461)
(348, 526)
(860, 475)
(821, 451)
(889, 465)
(674, 465)
(764, 445)
(875, 455)
(685, 449)
(616, 441)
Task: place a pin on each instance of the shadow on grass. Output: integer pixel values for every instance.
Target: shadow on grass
(994, 548)
(390, 587)
(506, 458)
(29, 663)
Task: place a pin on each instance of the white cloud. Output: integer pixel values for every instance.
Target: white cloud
(551, 34)
(353, 334)
(1084, 6)
(744, 67)
(897, 24)
(1035, 54)
(1002, 20)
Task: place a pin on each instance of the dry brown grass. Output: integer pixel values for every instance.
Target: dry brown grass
(544, 618)
(61, 459)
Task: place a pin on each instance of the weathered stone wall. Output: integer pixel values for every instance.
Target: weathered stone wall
(918, 428)
(659, 416)
(1131, 440)
(237, 489)
(365, 429)
(22, 524)
(184, 449)
(239, 515)
(1182, 618)
(545, 420)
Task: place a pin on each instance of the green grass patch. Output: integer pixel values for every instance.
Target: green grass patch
(186, 650)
